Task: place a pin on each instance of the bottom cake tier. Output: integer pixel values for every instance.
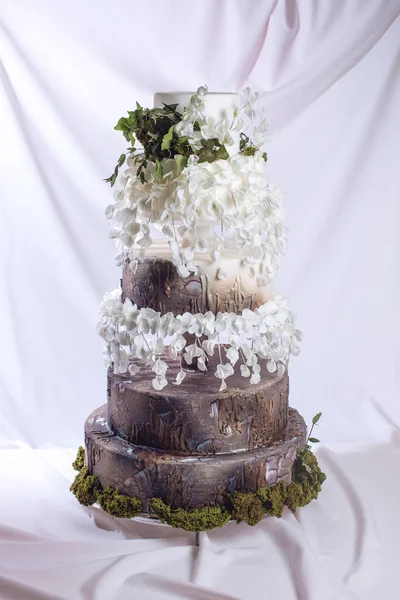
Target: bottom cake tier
(183, 481)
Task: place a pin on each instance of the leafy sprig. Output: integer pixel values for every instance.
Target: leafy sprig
(302, 453)
(247, 148)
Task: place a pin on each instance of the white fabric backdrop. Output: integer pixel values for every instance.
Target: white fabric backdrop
(329, 75)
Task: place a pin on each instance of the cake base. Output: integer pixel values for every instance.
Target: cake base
(184, 481)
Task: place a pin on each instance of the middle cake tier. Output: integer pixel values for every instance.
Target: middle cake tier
(195, 417)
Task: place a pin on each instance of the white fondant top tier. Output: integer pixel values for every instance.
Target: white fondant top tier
(218, 106)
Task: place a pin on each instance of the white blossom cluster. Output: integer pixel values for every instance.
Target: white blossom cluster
(131, 334)
(206, 206)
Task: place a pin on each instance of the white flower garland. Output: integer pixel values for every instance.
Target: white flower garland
(130, 333)
(234, 194)
(205, 207)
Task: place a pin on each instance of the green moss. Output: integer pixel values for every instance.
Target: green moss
(194, 519)
(79, 462)
(294, 495)
(273, 498)
(85, 487)
(307, 479)
(118, 505)
(247, 507)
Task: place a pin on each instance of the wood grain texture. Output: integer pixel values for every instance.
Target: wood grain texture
(195, 417)
(187, 481)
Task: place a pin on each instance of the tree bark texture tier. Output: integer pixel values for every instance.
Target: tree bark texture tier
(156, 284)
(187, 481)
(195, 418)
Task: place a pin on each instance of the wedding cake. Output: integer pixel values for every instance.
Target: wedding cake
(197, 429)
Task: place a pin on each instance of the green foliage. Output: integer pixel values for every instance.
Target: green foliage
(79, 462)
(307, 479)
(154, 128)
(195, 519)
(85, 487)
(247, 507)
(118, 505)
(159, 170)
(302, 453)
(112, 179)
(167, 139)
(212, 150)
(247, 148)
(181, 161)
(316, 418)
(273, 498)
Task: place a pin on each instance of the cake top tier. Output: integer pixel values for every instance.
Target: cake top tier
(199, 181)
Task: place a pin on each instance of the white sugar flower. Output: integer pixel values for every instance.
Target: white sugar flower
(208, 346)
(160, 367)
(232, 355)
(180, 377)
(281, 369)
(201, 363)
(267, 333)
(221, 322)
(245, 371)
(159, 382)
(183, 322)
(133, 369)
(224, 370)
(255, 378)
(149, 321)
(192, 351)
(167, 325)
(177, 344)
(131, 314)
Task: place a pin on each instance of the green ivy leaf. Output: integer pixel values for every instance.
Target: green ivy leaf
(181, 161)
(167, 139)
(313, 440)
(316, 418)
(170, 107)
(123, 125)
(159, 170)
(121, 160)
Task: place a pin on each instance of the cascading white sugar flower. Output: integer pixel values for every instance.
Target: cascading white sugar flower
(233, 194)
(132, 334)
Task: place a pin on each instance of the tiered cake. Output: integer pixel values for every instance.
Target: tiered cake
(197, 341)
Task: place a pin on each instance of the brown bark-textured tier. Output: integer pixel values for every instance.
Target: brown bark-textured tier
(156, 284)
(195, 417)
(187, 481)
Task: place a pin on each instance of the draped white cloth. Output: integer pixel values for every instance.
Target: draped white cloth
(329, 75)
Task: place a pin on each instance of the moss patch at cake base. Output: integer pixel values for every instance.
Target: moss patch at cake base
(86, 487)
(118, 505)
(250, 507)
(194, 519)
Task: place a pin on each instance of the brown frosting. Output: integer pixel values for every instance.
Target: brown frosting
(195, 417)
